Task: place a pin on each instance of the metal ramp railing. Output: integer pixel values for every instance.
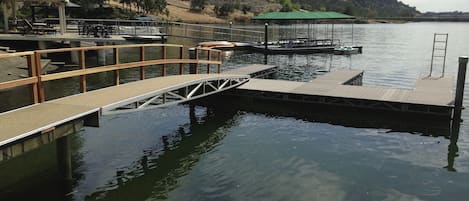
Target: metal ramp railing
(440, 46)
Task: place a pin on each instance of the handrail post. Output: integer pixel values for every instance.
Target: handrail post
(209, 53)
(142, 59)
(219, 60)
(192, 66)
(163, 55)
(197, 61)
(116, 61)
(40, 84)
(33, 73)
(82, 63)
(460, 88)
(181, 50)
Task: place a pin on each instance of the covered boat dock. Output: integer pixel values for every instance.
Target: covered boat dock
(313, 42)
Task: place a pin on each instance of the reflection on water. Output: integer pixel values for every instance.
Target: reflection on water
(158, 170)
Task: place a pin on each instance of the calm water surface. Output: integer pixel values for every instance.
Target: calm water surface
(227, 151)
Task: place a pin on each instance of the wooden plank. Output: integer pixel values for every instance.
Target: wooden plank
(16, 54)
(82, 64)
(18, 83)
(104, 47)
(88, 71)
(163, 56)
(142, 58)
(40, 84)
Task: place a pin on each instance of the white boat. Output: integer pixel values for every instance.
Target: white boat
(144, 38)
(346, 50)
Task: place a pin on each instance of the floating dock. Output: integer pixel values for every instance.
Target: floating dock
(277, 49)
(343, 88)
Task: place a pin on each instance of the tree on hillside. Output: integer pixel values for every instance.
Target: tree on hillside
(198, 5)
(288, 6)
(154, 6)
(86, 5)
(224, 10)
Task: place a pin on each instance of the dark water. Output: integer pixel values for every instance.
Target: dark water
(236, 149)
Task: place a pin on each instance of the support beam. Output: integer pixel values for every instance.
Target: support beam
(62, 18)
(460, 88)
(101, 54)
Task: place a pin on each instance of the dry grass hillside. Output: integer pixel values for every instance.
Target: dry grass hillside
(179, 10)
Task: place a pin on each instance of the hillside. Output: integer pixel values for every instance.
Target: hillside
(362, 8)
(244, 10)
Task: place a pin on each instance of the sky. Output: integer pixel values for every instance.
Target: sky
(439, 5)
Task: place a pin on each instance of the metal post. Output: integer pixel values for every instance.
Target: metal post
(231, 31)
(266, 35)
(433, 55)
(460, 88)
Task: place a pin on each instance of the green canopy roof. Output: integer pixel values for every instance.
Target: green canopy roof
(302, 16)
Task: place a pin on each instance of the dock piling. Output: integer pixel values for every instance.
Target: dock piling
(64, 157)
(460, 88)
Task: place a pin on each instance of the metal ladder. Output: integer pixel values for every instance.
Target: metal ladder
(439, 39)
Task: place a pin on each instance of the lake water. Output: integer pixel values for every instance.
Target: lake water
(220, 149)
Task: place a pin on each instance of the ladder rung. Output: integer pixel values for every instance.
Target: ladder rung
(439, 56)
(439, 49)
(440, 41)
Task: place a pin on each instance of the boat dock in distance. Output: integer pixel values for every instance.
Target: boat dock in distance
(431, 96)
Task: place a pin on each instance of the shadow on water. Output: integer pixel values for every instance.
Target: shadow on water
(453, 148)
(343, 116)
(156, 173)
(37, 173)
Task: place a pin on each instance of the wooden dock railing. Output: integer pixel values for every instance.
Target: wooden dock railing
(37, 78)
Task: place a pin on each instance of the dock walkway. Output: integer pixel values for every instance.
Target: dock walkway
(254, 70)
(430, 96)
(43, 117)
